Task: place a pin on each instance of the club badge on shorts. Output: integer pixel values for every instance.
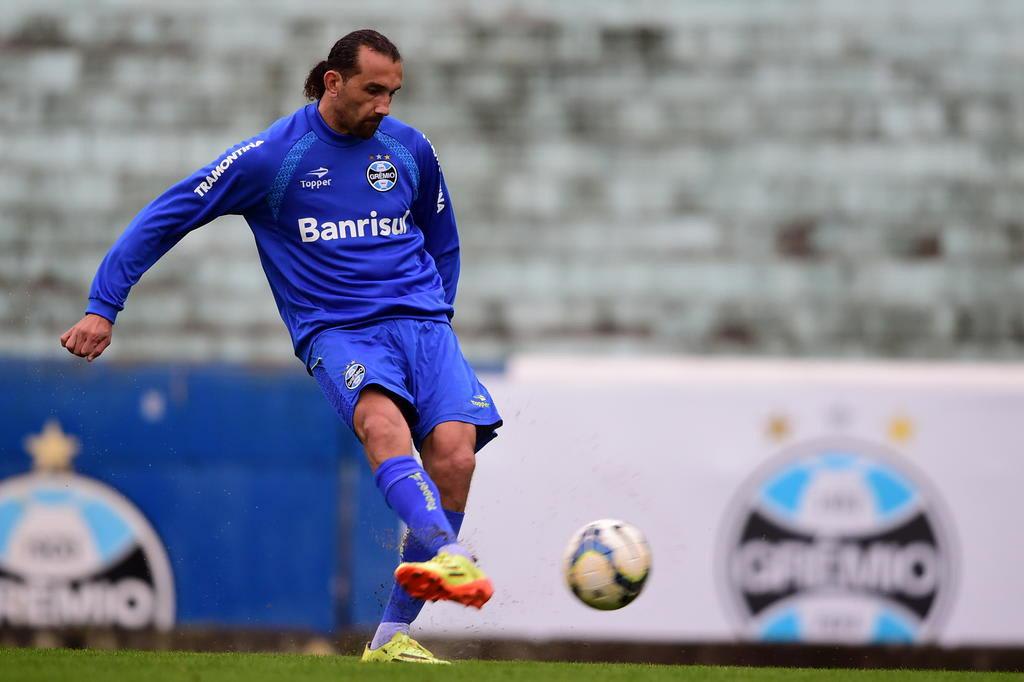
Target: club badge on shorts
(354, 373)
(382, 175)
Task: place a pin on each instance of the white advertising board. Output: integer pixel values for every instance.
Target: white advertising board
(783, 501)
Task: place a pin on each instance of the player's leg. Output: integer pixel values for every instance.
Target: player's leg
(448, 456)
(446, 392)
(381, 426)
(362, 375)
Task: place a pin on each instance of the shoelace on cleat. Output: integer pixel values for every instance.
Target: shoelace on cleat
(453, 566)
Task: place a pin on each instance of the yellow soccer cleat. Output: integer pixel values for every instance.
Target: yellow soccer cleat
(401, 648)
(450, 577)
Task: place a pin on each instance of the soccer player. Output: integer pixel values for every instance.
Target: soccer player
(356, 234)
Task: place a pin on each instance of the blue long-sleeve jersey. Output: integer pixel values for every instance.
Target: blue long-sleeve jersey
(349, 230)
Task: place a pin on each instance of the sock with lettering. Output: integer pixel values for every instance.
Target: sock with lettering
(409, 490)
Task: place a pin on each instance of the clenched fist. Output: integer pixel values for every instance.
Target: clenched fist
(89, 337)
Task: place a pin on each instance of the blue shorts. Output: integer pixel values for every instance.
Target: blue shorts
(419, 362)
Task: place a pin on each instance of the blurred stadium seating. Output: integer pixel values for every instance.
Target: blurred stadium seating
(804, 178)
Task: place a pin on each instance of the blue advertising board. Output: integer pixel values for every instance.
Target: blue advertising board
(238, 485)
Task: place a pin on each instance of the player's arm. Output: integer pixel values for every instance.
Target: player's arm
(230, 184)
(433, 213)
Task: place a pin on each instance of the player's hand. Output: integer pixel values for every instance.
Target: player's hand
(89, 337)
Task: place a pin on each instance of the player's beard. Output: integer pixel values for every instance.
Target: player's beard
(369, 127)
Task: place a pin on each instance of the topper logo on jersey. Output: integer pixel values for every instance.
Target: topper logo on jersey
(319, 182)
(310, 229)
(837, 541)
(75, 552)
(382, 175)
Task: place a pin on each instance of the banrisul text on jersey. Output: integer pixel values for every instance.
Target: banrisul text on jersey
(310, 229)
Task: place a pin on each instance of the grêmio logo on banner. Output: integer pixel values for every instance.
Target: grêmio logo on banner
(74, 552)
(837, 541)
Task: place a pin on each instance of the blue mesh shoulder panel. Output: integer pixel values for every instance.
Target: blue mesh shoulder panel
(403, 155)
(287, 170)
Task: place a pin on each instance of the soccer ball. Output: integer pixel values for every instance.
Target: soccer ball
(607, 563)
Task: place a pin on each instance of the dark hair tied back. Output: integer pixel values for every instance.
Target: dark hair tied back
(314, 88)
(344, 58)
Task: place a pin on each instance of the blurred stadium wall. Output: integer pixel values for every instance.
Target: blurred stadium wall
(810, 178)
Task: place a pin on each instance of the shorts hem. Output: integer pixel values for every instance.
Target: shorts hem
(490, 423)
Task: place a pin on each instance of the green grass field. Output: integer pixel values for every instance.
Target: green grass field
(51, 665)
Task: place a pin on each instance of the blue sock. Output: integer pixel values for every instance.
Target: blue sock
(408, 490)
(402, 609)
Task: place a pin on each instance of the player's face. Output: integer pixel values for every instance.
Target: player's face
(365, 99)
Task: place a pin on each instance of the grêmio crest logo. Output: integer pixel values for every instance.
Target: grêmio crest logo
(75, 552)
(382, 175)
(837, 541)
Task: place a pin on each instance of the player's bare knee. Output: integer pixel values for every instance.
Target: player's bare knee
(452, 467)
(452, 472)
(380, 426)
(462, 462)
